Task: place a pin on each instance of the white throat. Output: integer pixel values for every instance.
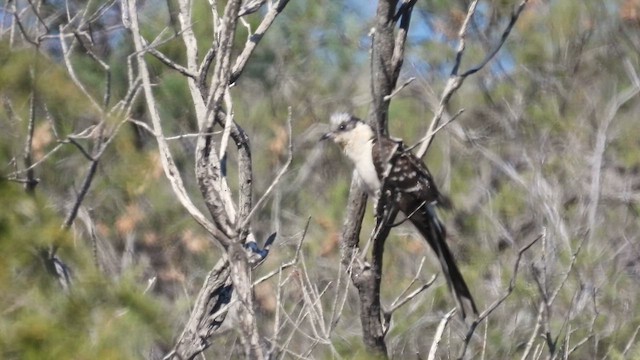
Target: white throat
(358, 147)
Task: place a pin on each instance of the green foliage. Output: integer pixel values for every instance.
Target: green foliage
(518, 161)
(351, 348)
(49, 82)
(40, 321)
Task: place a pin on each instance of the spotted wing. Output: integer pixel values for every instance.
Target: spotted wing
(414, 191)
(403, 172)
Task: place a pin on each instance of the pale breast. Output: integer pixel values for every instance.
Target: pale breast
(363, 161)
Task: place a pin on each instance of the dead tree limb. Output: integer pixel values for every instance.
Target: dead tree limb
(387, 55)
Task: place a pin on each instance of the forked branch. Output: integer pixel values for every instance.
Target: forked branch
(455, 79)
(499, 301)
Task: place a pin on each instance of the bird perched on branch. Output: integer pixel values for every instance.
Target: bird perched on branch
(389, 171)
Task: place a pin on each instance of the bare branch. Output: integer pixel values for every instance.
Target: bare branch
(221, 73)
(240, 276)
(512, 21)
(490, 309)
(191, 50)
(44, 158)
(226, 132)
(168, 164)
(99, 148)
(601, 141)
(338, 305)
(404, 15)
(90, 52)
(455, 81)
(23, 31)
(398, 302)
(37, 14)
(535, 331)
(81, 148)
(31, 181)
(207, 314)
(276, 180)
(413, 281)
(101, 10)
(462, 37)
(84, 189)
(438, 335)
(177, 137)
(211, 180)
(170, 63)
(431, 135)
(253, 40)
(631, 342)
(387, 56)
(408, 298)
(594, 194)
(66, 53)
(399, 88)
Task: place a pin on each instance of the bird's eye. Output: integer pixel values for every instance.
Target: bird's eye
(342, 127)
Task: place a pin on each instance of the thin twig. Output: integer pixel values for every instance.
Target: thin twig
(86, 183)
(631, 342)
(313, 298)
(31, 183)
(453, 83)
(23, 31)
(399, 88)
(505, 34)
(334, 304)
(291, 262)
(438, 335)
(100, 11)
(177, 137)
(578, 344)
(484, 340)
(252, 41)
(409, 216)
(170, 63)
(455, 80)
(429, 135)
(84, 152)
(413, 281)
(276, 180)
(37, 14)
(168, 164)
(404, 15)
(412, 295)
(44, 158)
(71, 71)
(276, 322)
(226, 132)
(498, 302)
(337, 314)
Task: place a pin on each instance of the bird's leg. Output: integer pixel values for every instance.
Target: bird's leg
(378, 207)
(383, 207)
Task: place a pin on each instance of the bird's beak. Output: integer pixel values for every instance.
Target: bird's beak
(326, 136)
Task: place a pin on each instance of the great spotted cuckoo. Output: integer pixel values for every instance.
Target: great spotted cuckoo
(388, 170)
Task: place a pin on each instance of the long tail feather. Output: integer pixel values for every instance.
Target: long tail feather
(434, 232)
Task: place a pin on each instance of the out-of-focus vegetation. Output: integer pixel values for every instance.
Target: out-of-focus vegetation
(545, 146)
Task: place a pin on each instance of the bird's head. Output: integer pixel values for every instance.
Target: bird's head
(347, 129)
